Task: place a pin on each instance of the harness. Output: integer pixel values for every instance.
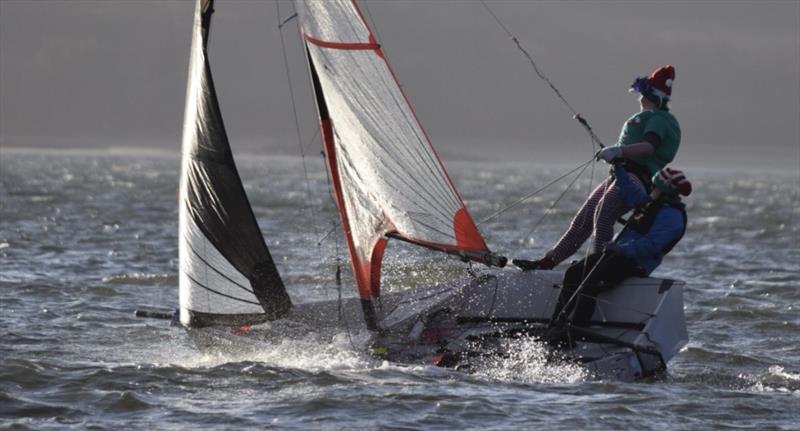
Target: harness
(642, 219)
(641, 172)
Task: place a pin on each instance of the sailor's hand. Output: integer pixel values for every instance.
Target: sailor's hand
(612, 247)
(609, 154)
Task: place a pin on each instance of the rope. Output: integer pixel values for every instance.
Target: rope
(308, 207)
(553, 205)
(544, 77)
(533, 193)
(578, 291)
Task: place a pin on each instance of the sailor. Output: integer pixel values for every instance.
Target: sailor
(648, 142)
(656, 225)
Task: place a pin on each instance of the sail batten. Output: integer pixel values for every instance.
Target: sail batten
(387, 178)
(342, 45)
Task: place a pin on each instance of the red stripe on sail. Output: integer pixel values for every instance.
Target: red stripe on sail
(467, 235)
(375, 267)
(354, 46)
(362, 276)
(378, 49)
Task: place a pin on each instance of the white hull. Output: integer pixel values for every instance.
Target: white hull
(637, 327)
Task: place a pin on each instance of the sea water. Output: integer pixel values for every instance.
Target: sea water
(85, 239)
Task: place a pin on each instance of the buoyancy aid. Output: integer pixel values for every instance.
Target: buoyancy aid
(642, 219)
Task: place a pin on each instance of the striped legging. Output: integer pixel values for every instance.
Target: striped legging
(599, 213)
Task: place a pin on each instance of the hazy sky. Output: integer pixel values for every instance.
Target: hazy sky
(113, 73)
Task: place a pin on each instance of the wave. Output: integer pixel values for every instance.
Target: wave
(141, 279)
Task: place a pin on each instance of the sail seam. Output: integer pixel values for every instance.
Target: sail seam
(219, 293)
(216, 270)
(419, 134)
(438, 191)
(413, 114)
(425, 197)
(425, 158)
(444, 194)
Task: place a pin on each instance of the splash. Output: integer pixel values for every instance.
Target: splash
(531, 361)
(776, 379)
(309, 351)
(138, 278)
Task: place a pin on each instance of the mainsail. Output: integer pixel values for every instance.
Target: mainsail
(387, 178)
(227, 275)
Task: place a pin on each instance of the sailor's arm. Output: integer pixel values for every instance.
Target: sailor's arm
(639, 150)
(643, 149)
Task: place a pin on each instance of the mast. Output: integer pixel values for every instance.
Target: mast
(227, 275)
(367, 287)
(387, 178)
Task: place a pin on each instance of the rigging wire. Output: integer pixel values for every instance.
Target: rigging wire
(588, 247)
(555, 202)
(312, 141)
(374, 25)
(593, 137)
(594, 140)
(309, 208)
(535, 192)
(544, 77)
(286, 20)
(303, 151)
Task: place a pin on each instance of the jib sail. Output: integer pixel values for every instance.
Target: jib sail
(227, 275)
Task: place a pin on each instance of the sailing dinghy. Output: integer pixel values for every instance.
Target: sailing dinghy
(389, 184)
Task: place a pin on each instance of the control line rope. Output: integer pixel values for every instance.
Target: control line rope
(544, 77)
(535, 192)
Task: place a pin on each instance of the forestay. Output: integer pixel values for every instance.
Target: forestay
(387, 177)
(227, 275)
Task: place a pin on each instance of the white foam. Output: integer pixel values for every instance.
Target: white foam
(528, 362)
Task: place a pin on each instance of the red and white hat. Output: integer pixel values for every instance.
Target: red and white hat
(658, 84)
(672, 181)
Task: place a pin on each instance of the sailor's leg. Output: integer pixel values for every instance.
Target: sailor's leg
(613, 269)
(581, 226)
(609, 208)
(572, 279)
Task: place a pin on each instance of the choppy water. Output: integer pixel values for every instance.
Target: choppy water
(84, 240)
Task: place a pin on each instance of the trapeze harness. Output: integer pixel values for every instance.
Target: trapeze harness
(641, 172)
(643, 217)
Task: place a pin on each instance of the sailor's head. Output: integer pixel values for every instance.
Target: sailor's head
(671, 182)
(655, 89)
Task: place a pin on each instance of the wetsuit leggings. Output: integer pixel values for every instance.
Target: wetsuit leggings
(598, 214)
(602, 272)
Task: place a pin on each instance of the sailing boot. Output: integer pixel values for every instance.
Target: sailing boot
(546, 262)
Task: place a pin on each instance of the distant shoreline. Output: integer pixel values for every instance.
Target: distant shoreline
(448, 158)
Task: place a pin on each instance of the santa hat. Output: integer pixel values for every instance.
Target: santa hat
(672, 181)
(658, 84)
